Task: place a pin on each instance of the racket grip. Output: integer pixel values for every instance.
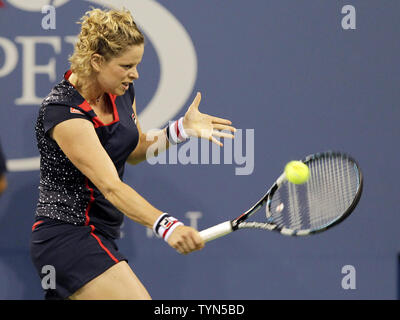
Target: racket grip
(217, 231)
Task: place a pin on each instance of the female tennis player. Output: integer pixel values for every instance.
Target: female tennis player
(87, 129)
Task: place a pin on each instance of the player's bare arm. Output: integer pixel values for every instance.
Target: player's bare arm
(93, 161)
(195, 123)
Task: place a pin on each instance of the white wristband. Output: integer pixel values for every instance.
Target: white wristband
(175, 132)
(165, 226)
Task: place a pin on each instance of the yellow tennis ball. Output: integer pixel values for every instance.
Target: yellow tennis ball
(297, 172)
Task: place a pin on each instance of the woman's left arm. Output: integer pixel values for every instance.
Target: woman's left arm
(146, 140)
(195, 124)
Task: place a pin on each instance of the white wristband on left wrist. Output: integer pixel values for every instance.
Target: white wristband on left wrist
(176, 133)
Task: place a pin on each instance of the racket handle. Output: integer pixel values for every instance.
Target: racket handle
(217, 231)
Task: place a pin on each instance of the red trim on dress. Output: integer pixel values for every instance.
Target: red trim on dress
(87, 218)
(86, 106)
(102, 245)
(36, 224)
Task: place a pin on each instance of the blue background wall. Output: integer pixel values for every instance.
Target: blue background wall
(286, 69)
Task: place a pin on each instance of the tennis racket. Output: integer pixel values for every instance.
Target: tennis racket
(330, 195)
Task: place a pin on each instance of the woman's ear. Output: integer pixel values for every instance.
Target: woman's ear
(97, 62)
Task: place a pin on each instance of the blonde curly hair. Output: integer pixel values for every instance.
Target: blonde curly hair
(105, 32)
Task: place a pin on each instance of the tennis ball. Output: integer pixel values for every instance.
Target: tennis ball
(297, 172)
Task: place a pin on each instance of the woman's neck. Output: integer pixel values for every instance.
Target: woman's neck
(87, 89)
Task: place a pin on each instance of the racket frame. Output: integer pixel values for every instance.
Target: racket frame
(241, 223)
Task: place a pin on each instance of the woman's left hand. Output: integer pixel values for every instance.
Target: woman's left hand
(197, 124)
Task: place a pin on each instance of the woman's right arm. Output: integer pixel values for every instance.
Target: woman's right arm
(78, 140)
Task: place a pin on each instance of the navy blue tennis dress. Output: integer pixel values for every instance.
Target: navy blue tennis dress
(75, 226)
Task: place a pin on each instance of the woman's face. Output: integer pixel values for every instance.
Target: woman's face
(116, 74)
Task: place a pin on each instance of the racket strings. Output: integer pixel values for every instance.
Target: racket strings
(325, 197)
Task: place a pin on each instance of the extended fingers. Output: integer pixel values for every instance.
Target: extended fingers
(216, 120)
(224, 127)
(196, 101)
(219, 125)
(217, 142)
(220, 134)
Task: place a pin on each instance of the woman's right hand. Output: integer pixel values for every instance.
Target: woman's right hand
(186, 240)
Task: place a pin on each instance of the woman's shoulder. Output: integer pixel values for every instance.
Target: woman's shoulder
(63, 93)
